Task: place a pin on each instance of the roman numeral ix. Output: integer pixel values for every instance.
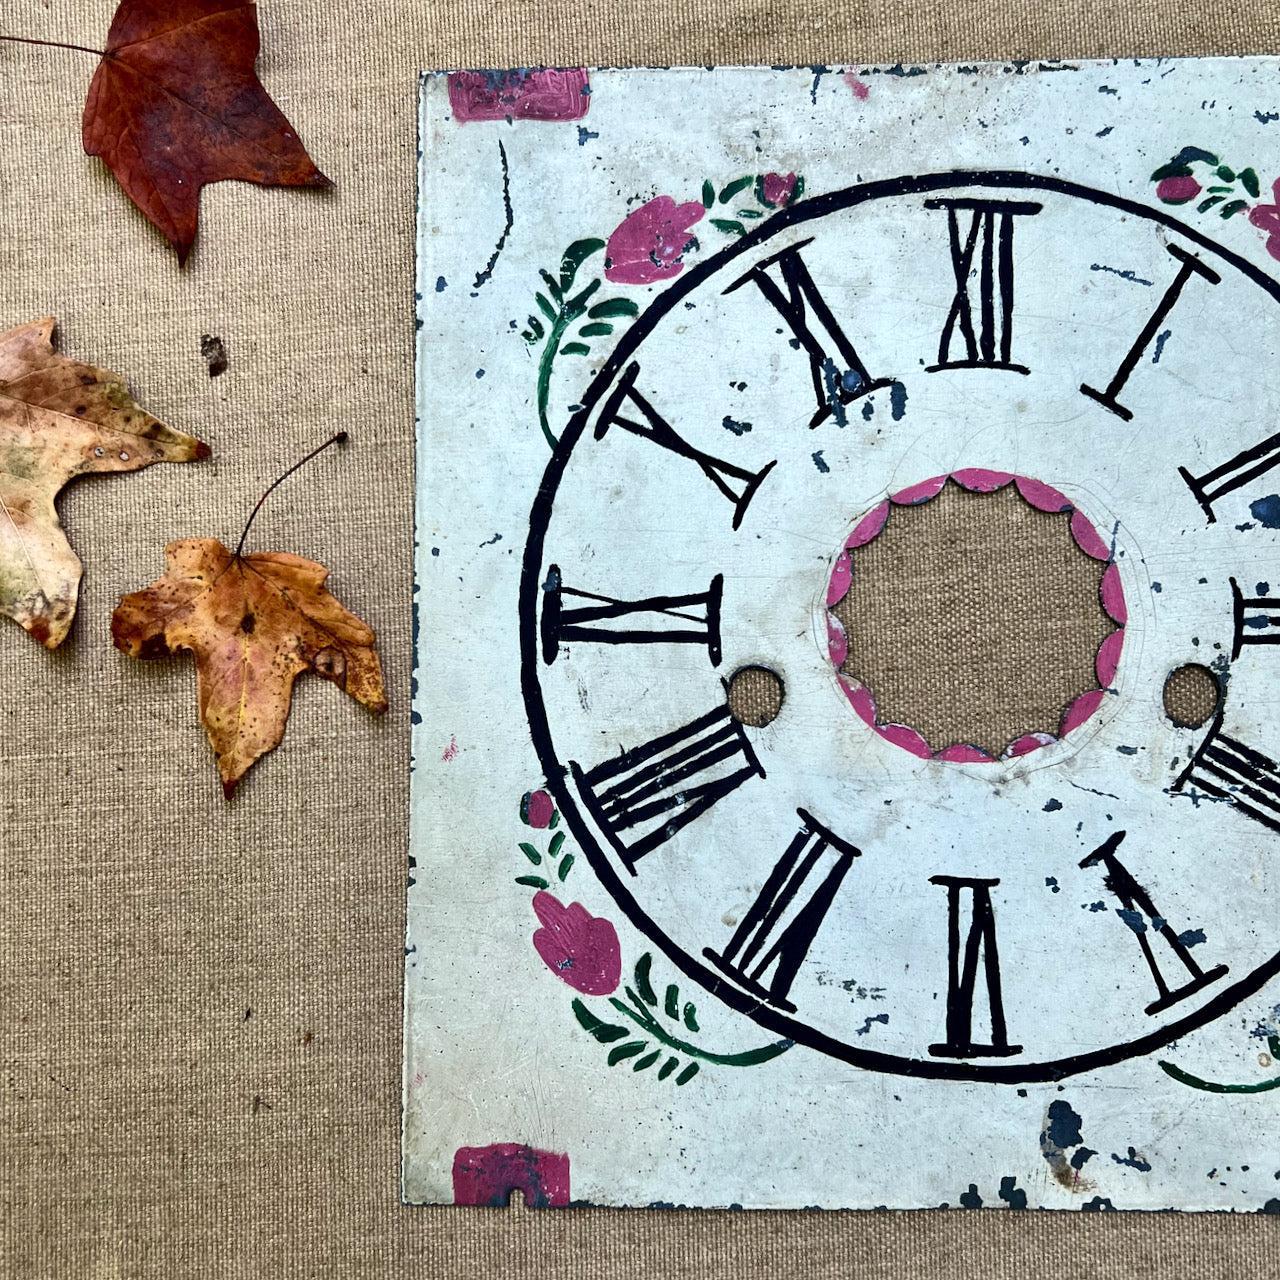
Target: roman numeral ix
(839, 376)
(641, 798)
(689, 619)
(1191, 266)
(1224, 767)
(988, 238)
(963, 972)
(1136, 903)
(735, 483)
(778, 929)
(1247, 465)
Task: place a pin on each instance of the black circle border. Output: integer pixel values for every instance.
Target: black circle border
(539, 728)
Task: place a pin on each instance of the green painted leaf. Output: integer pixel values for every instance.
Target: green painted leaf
(691, 1017)
(555, 820)
(1232, 207)
(671, 1006)
(644, 984)
(729, 228)
(643, 1064)
(798, 190)
(528, 337)
(1227, 189)
(534, 882)
(575, 349)
(1249, 180)
(1172, 170)
(552, 287)
(612, 308)
(536, 325)
(628, 1050)
(574, 256)
(566, 863)
(547, 309)
(605, 1032)
(1227, 175)
(557, 840)
(668, 1067)
(708, 194)
(1205, 205)
(731, 189)
(687, 1074)
(530, 852)
(748, 213)
(595, 330)
(576, 306)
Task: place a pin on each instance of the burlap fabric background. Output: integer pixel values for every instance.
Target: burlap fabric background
(201, 1002)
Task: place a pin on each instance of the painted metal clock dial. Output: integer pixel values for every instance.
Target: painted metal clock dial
(1002, 329)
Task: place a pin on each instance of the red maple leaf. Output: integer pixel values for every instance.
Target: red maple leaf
(175, 104)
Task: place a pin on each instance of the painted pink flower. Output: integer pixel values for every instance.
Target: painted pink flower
(649, 243)
(537, 809)
(777, 188)
(579, 948)
(1177, 190)
(519, 95)
(1266, 217)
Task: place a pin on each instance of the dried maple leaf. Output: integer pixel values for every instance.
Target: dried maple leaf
(253, 623)
(175, 104)
(60, 419)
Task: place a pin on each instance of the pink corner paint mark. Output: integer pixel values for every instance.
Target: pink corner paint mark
(519, 95)
(857, 84)
(488, 1176)
(451, 751)
(579, 948)
(649, 244)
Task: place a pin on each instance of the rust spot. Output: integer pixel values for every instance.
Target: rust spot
(331, 663)
(153, 647)
(39, 630)
(82, 409)
(247, 624)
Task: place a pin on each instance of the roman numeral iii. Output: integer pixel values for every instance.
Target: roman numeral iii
(839, 376)
(984, 330)
(689, 619)
(641, 798)
(775, 935)
(735, 483)
(1136, 904)
(979, 943)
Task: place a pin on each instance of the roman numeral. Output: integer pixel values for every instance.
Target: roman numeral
(962, 972)
(689, 619)
(838, 379)
(642, 797)
(779, 928)
(1137, 904)
(989, 239)
(1224, 767)
(735, 483)
(1247, 465)
(1191, 265)
(1254, 616)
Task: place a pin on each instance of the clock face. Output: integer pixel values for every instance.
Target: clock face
(926, 908)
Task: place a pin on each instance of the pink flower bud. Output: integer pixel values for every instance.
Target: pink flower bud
(537, 809)
(1177, 190)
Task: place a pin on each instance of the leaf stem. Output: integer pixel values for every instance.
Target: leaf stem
(570, 310)
(55, 44)
(749, 1058)
(340, 438)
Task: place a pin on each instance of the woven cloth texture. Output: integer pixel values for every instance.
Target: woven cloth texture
(201, 1001)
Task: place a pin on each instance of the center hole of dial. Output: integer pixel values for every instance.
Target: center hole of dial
(975, 616)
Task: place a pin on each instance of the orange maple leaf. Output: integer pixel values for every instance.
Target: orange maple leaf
(176, 104)
(253, 623)
(60, 419)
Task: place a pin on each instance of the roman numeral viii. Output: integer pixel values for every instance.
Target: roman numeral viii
(985, 331)
(689, 619)
(778, 929)
(641, 798)
(627, 409)
(1136, 904)
(979, 942)
(839, 376)
(1191, 266)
